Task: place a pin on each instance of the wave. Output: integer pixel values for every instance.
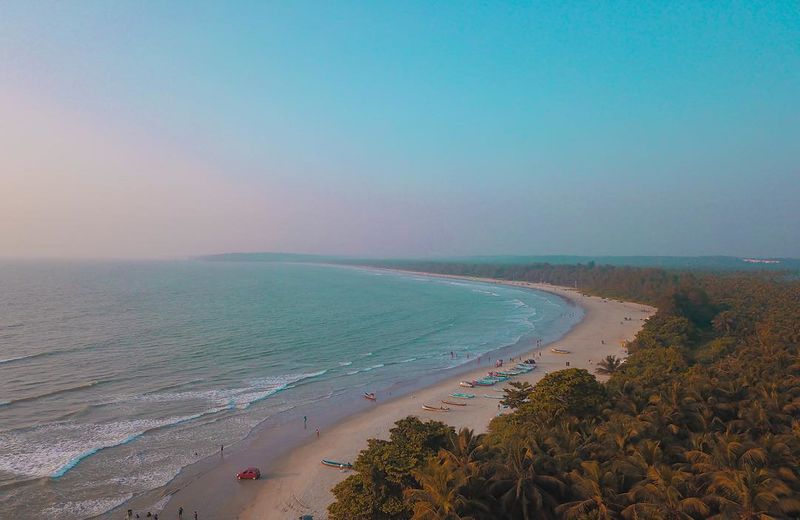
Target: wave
(409, 360)
(235, 398)
(47, 354)
(367, 369)
(53, 450)
(345, 363)
(85, 508)
(52, 393)
(20, 358)
(367, 354)
(12, 326)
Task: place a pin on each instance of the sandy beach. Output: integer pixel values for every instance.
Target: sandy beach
(299, 485)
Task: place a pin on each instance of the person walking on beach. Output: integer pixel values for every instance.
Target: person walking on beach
(180, 513)
(317, 433)
(195, 515)
(305, 422)
(221, 447)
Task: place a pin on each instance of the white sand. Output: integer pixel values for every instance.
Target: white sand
(303, 485)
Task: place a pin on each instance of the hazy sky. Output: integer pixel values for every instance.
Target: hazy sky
(162, 129)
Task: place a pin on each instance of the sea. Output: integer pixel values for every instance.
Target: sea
(114, 376)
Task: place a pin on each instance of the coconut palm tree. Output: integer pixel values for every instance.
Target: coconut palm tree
(609, 365)
(464, 451)
(749, 494)
(596, 492)
(438, 498)
(665, 493)
(523, 489)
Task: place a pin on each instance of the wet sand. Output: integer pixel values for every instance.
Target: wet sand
(298, 484)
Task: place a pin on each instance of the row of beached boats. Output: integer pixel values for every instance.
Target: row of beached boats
(500, 376)
(491, 379)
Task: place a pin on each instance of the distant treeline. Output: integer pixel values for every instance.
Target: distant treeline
(701, 421)
(693, 263)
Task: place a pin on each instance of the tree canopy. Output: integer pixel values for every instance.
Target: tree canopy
(701, 421)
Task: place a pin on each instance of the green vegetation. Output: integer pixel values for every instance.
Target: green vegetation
(701, 421)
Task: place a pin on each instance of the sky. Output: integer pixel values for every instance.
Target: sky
(172, 129)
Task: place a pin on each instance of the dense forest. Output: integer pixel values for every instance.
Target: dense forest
(700, 421)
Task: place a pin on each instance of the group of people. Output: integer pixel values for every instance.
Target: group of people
(131, 516)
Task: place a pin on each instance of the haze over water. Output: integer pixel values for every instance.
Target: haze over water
(113, 375)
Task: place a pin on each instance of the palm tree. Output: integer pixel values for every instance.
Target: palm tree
(465, 450)
(665, 493)
(609, 365)
(749, 494)
(438, 498)
(523, 489)
(596, 492)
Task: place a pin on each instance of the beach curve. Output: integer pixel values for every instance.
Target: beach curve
(298, 484)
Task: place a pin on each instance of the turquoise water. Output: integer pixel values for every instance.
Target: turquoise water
(114, 376)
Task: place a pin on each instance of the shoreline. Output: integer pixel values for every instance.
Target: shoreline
(298, 484)
(207, 486)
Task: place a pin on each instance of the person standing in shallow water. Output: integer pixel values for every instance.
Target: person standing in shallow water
(305, 422)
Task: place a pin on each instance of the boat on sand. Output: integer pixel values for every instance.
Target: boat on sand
(369, 395)
(559, 351)
(453, 403)
(463, 396)
(334, 464)
(435, 408)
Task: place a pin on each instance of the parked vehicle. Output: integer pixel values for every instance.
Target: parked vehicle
(249, 474)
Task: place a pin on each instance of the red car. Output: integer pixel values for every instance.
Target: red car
(249, 474)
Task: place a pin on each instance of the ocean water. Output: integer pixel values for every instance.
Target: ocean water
(114, 376)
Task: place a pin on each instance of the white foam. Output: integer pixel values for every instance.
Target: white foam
(373, 367)
(18, 358)
(85, 508)
(242, 397)
(52, 450)
(345, 363)
(160, 505)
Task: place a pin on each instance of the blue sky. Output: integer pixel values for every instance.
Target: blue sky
(402, 128)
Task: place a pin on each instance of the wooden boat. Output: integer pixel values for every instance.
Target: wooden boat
(463, 396)
(485, 382)
(497, 378)
(560, 351)
(369, 395)
(435, 408)
(339, 465)
(453, 403)
(493, 396)
(466, 384)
